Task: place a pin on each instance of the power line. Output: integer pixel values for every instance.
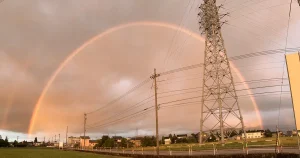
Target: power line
(139, 104)
(150, 108)
(125, 117)
(236, 83)
(122, 96)
(175, 35)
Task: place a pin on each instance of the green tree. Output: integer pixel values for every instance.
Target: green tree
(15, 143)
(163, 140)
(268, 133)
(124, 142)
(35, 140)
(109, 142)
(212, 138)
(103, 140)
(191, 139)
(174, 139)
(171, 138)
(6, 144)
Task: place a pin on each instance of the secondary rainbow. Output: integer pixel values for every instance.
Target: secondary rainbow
(111, 30)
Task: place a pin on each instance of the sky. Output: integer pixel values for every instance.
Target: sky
(130, 39)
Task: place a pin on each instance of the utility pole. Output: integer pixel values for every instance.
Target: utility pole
(154, 76)
(220, 111)
(58, 137)
(84, 129)
(18, 139)
(67, 136)
(277, 141)
(44, 139)
(55, 138)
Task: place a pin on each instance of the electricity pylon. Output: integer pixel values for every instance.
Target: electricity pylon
(220, 111)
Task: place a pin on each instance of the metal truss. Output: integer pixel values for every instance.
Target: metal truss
(220, 111)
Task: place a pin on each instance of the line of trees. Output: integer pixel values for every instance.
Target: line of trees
(106, 141)
(4, 143)
(174, 139)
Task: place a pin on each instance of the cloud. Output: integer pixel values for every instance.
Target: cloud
(38, 35)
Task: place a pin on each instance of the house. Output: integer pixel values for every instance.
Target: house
(292, 133)
(181, 136)
(56, 144)
(73, 140)
(29, 143)
(137, 141)
(92, 143)
(84, 141)
(117, 139)
(251, 135)
(167, 140)
(37, 144)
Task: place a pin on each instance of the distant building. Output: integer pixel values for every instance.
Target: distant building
(251, 135)
(92, 143)
(167, 140)
(37, 144)
(117, 139)
(84, 141)
(73, 140)
(181, 136)
(137, 141)
(292, 133)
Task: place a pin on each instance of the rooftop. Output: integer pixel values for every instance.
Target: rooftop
(84, 137)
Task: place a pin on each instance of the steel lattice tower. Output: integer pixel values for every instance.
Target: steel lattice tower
(220, 111)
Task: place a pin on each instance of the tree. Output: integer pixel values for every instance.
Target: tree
(15, 143)
(174, 139)
(124, 142)
(212, 138)
(268, 133)
(191, 139)
(195, 136)
(109, 142)
(35, 140)
(6, 144)
(103, 140)
(171, 138)
(163, 140)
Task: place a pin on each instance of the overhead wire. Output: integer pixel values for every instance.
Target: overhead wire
(122, 96)
(175, 35)
(150, 108)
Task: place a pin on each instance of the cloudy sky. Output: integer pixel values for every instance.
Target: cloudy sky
(130, 39)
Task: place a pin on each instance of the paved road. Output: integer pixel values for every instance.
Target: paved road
(205, 152)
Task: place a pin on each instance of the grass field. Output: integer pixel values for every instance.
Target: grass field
(46, 153)
(230, 144)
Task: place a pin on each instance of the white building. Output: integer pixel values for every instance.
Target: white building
(251, 135)
(73, 140)
(167, 141)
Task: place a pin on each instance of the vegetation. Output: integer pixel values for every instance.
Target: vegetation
(4, 143)
(43, 152)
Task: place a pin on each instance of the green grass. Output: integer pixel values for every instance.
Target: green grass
(46, 153)
(230, 144)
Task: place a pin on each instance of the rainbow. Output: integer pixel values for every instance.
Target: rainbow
(111, 30)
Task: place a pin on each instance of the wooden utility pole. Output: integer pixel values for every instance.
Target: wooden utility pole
(67, 136)
(277, 141)
(156, 110)
(84, 130)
